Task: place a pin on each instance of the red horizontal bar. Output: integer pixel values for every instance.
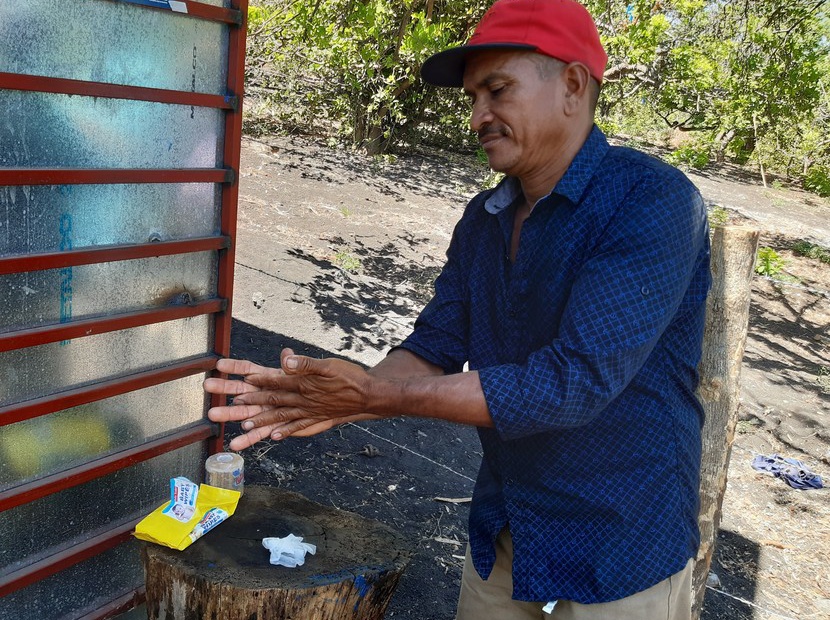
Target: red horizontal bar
(110, 176)
(121, 604)
(98, 468)
(44, 405)
(43, 84)
(108, 253)
(103, 324)
(64, 559)
(198, 9)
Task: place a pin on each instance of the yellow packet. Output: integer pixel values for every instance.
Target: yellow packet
(191, 512)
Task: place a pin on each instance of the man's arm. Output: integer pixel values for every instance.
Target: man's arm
(308, 396)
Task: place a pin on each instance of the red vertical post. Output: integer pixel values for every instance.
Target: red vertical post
(230, 191)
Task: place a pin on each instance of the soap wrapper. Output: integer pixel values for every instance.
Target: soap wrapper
(193, 510)
(289, 551)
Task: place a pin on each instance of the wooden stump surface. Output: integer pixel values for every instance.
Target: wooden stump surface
(227, 575)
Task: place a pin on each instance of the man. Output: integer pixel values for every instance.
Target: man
(575, 291)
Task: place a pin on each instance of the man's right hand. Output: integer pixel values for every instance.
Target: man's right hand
(267, 416)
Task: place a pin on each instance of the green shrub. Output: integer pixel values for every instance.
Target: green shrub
(694, 155)
(811, 250)
(347, 262)
(769, 262)
(817, 180)
(718, 216)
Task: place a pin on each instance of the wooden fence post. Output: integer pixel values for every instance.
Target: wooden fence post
(734, 249)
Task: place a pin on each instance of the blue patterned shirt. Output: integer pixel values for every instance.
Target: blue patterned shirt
(587, 348)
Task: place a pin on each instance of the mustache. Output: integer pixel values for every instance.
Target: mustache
(491, 131)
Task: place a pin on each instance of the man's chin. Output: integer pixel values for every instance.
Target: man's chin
(501, 163)
(497, 165)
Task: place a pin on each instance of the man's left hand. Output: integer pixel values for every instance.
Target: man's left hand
(306, 396)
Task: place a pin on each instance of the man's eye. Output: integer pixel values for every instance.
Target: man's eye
(496, 90)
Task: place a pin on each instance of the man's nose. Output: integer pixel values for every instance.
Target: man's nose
(481, 115)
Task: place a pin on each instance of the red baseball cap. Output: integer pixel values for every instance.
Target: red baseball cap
(562, 29)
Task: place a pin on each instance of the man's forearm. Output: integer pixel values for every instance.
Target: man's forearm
(403, 364)
(456, 398)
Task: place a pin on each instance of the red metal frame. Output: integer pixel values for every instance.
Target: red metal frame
(120, 605)
(202, 11)
(228, 176)
(100, 176)
(108, 253)
(60, 561)
(41, 84)
(230, 197)
(101, 325)
(98, 391)
(47, 485)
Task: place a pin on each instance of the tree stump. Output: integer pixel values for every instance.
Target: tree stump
(226, 574)
(734, 249)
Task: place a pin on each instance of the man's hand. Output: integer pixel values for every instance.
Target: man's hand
(306, 397)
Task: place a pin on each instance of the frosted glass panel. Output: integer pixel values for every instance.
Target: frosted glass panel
(129, 493)
(105, 41)
(74, 515)
(52, 443)
(38, 371)
(51, 218)
(85, 586)
(51, 131)
(59, 295)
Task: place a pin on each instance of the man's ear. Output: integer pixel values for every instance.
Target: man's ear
(576, 78)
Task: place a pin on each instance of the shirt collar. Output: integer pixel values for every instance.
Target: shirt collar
(573, 183)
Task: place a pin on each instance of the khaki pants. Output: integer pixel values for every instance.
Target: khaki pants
(670, 599)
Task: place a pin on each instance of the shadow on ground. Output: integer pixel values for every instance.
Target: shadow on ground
(736, 565)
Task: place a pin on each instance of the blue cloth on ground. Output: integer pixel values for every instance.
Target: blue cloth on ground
(792, 471)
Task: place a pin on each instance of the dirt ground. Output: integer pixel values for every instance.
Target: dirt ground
(336, 255)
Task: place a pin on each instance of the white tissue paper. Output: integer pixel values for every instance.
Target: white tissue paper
(289, 551)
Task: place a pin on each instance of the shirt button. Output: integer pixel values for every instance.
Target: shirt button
(645, 290)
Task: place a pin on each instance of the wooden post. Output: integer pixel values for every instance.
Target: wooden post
(734, 250)
(226, 575)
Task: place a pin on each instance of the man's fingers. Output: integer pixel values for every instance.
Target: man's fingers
(272, 398)
(254, 374)
(250, 438)
(271, 417)
(274, 380)
(235, 413)
(214, 385)
(315, 426)
(304, 365)
(301, 427)
(239, 367)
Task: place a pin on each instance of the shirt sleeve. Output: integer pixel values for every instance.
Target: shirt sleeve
(623, 299)
(440, 333)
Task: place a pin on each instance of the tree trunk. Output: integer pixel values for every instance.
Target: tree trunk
(373, 141)
(721, 142)
(760, 156)
(226, 575)
(727, 312)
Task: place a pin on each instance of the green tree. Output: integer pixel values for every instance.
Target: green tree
(363, 56)
(739, 72)
(748, 78)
